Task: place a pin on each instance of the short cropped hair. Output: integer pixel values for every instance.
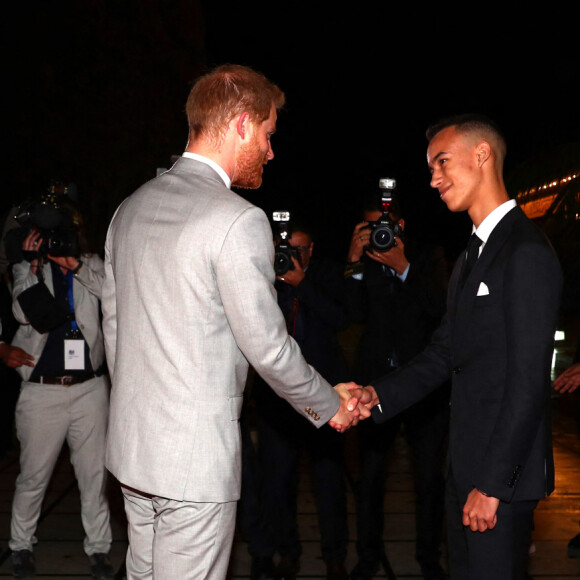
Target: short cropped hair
(229, 90)
(480, 125)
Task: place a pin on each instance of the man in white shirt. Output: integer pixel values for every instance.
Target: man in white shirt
(496, 343)
(188, 304)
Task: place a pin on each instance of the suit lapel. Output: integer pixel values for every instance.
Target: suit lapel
(462, 301)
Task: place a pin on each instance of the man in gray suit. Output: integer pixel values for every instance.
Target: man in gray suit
(188, 304)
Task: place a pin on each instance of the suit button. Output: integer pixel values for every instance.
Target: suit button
(457, 370)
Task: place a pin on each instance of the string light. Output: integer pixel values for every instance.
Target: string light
(536, 201)
(545, 186)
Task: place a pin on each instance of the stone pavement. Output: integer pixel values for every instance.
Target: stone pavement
(59, 552)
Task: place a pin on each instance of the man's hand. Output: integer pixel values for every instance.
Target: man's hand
(349, 412)
(65, 262)
(295, 276)
(356, 404)
(360, 238)
(30, 246)
(480, 511)
(569, 380)
(394, 258)
(368, 398)
(14, 356)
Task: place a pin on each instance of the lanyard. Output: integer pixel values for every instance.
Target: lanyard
(71, 300)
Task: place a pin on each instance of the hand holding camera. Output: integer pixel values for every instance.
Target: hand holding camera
(284, 254)
(31, 250)
(384, 231)
(394, 258)
(293, 276)
(359, 242)
(54, 226)
(379, 236)
(31, 247)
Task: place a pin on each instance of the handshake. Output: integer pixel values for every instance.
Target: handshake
(356, 403)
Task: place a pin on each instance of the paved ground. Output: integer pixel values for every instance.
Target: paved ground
(59, 551)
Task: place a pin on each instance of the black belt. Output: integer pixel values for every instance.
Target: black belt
(66, 380)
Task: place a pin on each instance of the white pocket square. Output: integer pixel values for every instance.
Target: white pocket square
(483, 290)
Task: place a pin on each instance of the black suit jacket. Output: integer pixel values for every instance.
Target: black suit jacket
(497, 348)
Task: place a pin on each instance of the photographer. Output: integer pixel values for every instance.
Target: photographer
(64, 394)
(310, 296)
(399, 297)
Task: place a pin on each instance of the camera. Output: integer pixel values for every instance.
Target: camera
(54, 224)
(283, 252)
(384, 231)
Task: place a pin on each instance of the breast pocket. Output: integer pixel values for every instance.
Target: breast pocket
(487, 294)
(483, 301)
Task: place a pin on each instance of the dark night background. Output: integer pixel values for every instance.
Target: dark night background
(96, 93)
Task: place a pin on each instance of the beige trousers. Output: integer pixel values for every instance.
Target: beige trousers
(46, 417)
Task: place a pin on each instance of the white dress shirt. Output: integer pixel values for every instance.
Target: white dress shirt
(488, 224)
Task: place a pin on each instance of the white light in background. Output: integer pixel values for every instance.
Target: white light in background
(559, 336)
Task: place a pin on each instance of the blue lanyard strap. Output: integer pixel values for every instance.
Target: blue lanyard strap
(71, 300)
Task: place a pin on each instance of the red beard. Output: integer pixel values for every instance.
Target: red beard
(249, 167)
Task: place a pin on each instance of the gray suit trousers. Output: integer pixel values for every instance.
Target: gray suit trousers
(177, 540)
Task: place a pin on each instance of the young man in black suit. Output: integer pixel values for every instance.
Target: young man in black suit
(496, 344)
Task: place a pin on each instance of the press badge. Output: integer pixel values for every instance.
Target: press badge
(74, 355)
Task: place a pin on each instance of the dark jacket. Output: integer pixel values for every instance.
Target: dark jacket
(321, 316)
(398, 317)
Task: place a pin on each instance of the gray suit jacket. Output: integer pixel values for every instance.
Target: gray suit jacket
(188, 303)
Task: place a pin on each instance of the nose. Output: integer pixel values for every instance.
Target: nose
(270, 153)
(435, 179)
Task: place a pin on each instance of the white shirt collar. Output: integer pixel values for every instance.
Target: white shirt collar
(225, 177)
(488, 224)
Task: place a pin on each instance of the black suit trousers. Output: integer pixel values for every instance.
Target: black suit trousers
(500, 553)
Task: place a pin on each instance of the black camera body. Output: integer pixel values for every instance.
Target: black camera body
(384, 231)
(55, 226)
(283, 251)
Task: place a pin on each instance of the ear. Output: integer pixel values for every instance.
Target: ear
(401, 223)
(482, 153)
(243, 124)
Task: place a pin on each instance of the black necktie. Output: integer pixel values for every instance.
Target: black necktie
(471, 257)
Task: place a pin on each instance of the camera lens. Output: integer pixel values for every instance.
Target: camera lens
(282, 263)
(382, 238)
